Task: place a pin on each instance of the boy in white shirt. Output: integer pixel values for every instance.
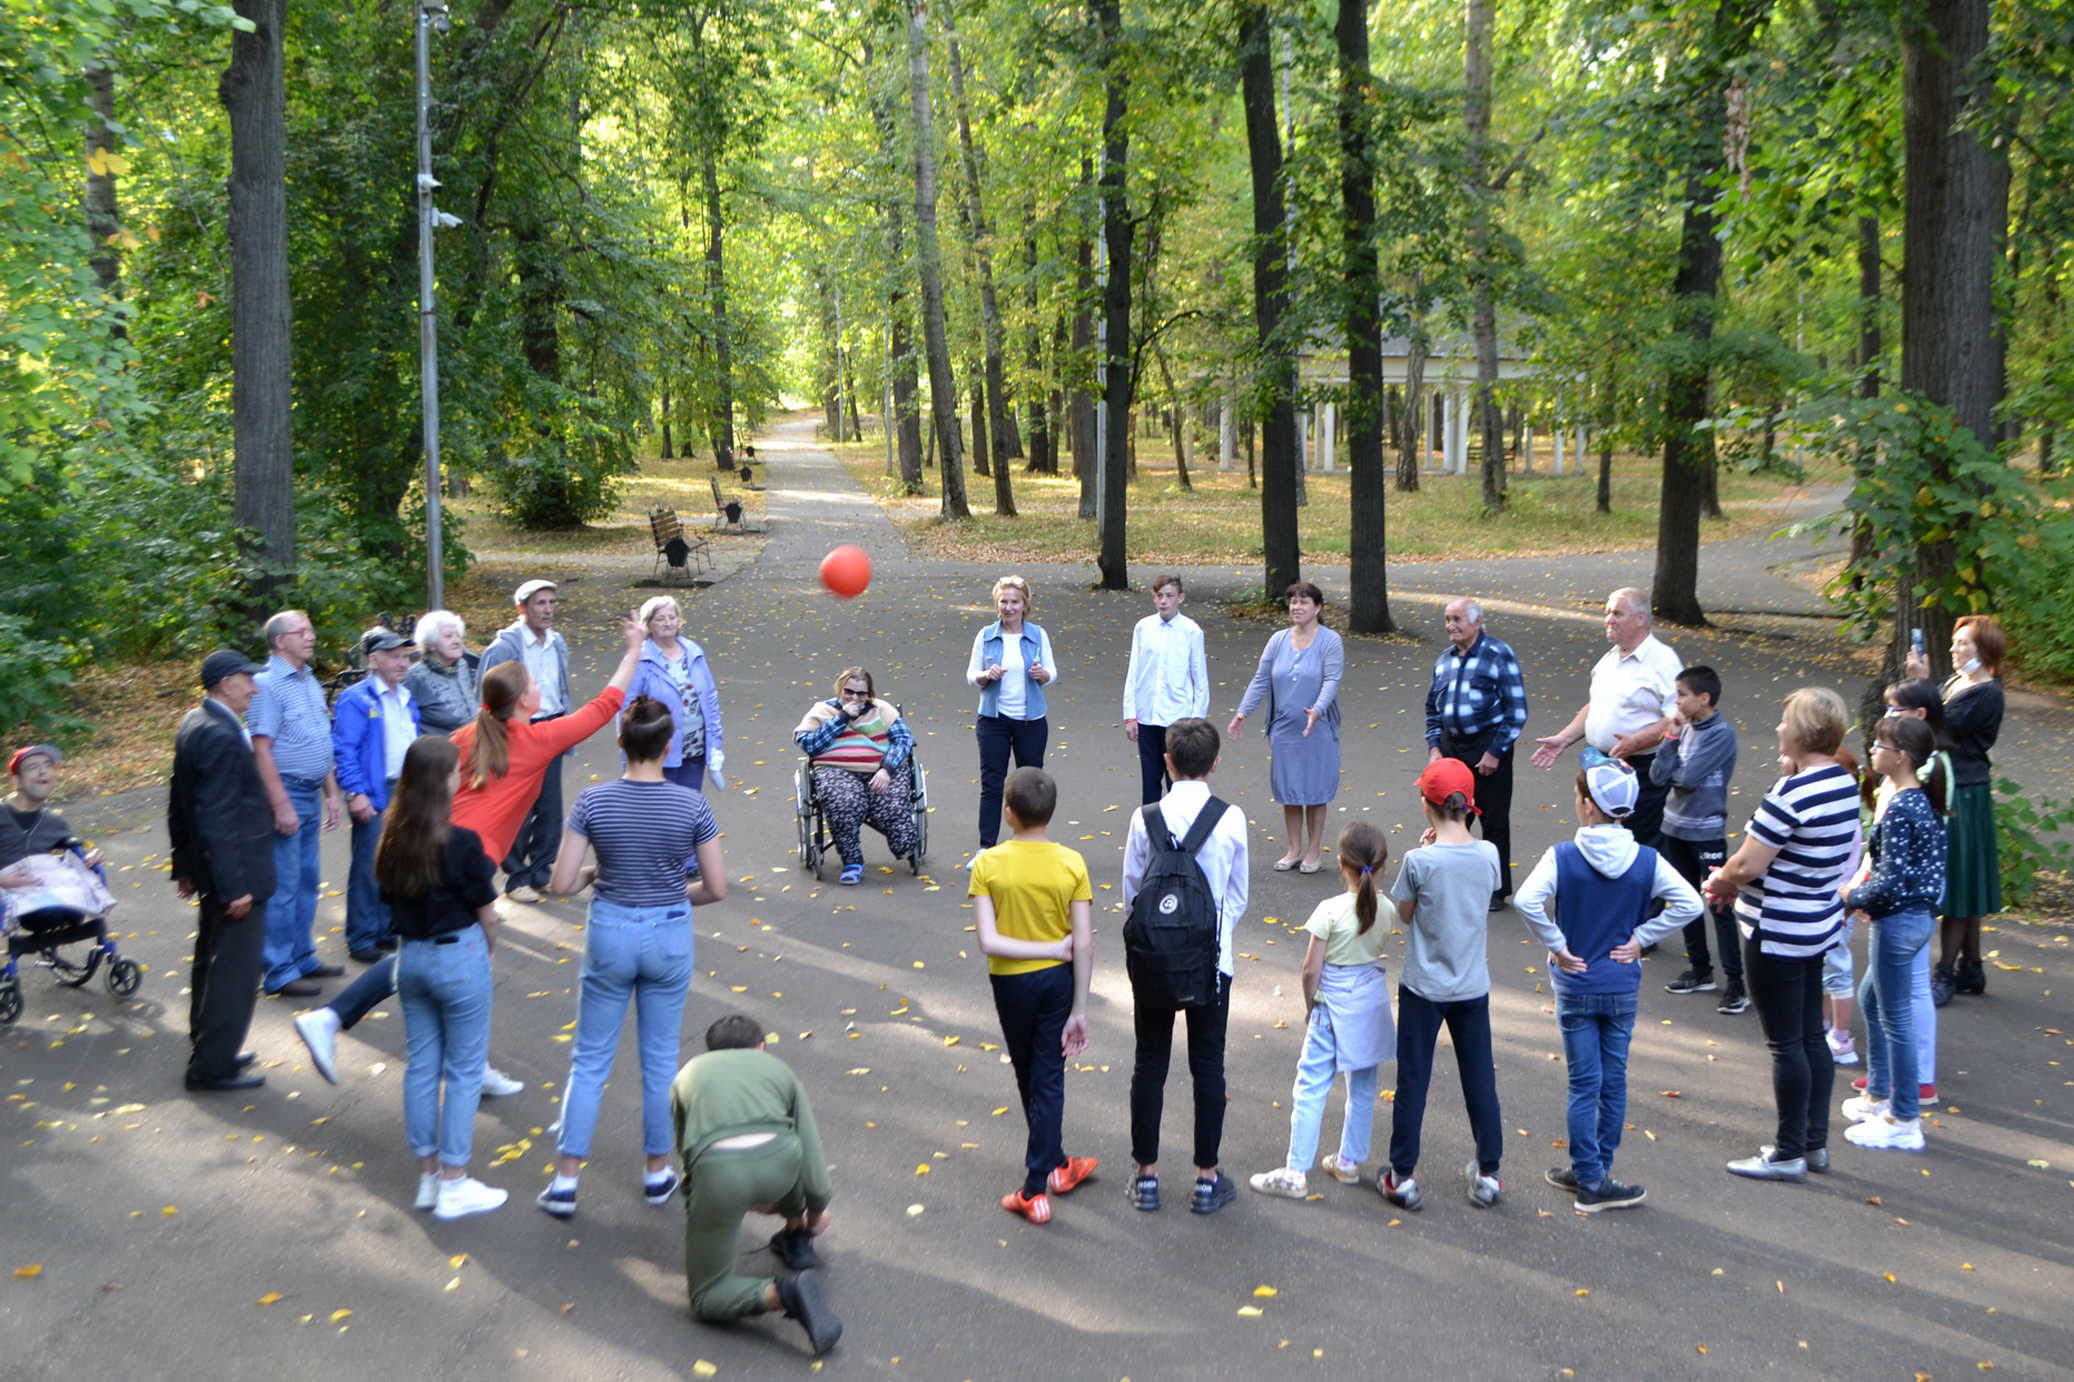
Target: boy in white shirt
(1168, 680)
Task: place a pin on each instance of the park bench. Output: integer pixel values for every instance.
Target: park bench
(727, 508)
(675, 549)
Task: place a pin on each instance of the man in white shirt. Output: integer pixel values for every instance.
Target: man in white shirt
(1634, 694)
(1168, 680)
(1192, 745)
(531, 639)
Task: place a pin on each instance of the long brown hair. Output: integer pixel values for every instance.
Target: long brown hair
(503, 686)
(1363, 850)
(412, 855)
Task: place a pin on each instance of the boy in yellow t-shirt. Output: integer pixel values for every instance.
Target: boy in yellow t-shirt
(1032, 899)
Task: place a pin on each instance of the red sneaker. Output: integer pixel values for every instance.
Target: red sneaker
(1927, 1093)
(1036, 1208)
(1077, 1169)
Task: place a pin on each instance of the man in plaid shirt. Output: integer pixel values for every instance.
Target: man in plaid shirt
(1475, 711)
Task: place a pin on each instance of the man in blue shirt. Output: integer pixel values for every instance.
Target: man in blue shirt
(372, 728)
(291, 743)
(1475, 710)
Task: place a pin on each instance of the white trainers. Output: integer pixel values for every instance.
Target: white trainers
(498, 1085)
(318, 1029)
(428, 1190)
(1862, 1108)
(1290, 1185)
(460, 1198)
(1345, 1172)
(1887, 1135)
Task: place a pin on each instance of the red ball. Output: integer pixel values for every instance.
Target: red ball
(846, 572)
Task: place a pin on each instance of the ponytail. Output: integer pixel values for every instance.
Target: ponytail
(1363, 850)
(503, 687)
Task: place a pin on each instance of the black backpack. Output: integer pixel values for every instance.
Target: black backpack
(1170, 938)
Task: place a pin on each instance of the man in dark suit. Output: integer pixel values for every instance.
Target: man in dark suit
(221, 824)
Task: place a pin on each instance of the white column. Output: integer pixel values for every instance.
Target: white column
(1461, 433)
(1526, 449)
(1447, 432)
(1328, 436)
(1556, 434)
(1577, 439)
(1227, 435)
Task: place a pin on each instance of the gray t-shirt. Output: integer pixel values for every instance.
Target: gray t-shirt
(1450, 887)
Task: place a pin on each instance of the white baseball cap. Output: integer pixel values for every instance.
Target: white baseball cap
(529, 590)
(1614, 787)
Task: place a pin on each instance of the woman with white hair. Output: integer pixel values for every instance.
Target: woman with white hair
(674, 670)
(1011, 664)
(443, 681)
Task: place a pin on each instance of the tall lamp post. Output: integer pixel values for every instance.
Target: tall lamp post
(432, 14)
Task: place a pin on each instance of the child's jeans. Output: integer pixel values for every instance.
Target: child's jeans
(1315, 1070)
(1837, 970)
(1597, 1028)
(1468, 1021)
(1890, 1030)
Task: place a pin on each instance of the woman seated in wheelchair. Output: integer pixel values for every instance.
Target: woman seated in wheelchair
(862, 756)
(32, 831)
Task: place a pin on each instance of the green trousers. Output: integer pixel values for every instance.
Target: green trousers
(720, 1187)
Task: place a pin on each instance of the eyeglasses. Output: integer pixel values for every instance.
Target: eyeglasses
(1894, 710)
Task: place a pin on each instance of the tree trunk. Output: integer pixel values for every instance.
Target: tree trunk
(1166, 374)
(1043, 455)
(943, 390)
(1476, 123)
(996, 416)
(1954, 200)
(1282, 557)
(1412, 430)
(1083, 406)
(982, 454)
(669, 445)
(1606, 471)
(1368, 610)
(1117, 234)
(254, 96)
(103, 215)
(723, 427)
(906, 419)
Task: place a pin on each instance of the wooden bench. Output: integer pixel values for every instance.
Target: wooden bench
(727, 508)
(675, 549)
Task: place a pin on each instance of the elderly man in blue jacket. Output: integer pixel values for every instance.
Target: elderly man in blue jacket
(372, 725)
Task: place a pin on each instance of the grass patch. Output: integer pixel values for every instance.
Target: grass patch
(1218, 522)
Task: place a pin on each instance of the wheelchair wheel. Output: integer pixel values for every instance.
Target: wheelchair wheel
(803, 815)
(921, 810)
(124, 977)
(10, 1001)
(73, 973)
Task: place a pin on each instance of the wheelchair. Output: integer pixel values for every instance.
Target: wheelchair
(54, 937)
(815, 843)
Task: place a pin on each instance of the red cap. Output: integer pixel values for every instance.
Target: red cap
(1446, 776)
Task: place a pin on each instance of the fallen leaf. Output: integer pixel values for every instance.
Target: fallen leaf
(338, 1315)
(702, 1368)
(456, 1260)
(913, 1210)
(1265, 1292)
(1251, 1312)
(923, 1169)
(1701, 1347)
(34, 1269)
(270, 1298)
(1670, 1094)
(1888, 1275)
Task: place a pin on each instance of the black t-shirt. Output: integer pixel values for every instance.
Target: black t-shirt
(23, 833)
(467, 884)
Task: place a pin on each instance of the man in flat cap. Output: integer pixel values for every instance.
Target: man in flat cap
(372, 726)
(222, 825)
(531, 639)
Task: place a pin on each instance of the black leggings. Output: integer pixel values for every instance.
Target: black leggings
(1788, 997)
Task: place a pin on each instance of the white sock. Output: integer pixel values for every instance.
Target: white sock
(562, 1182)
(659, 1177)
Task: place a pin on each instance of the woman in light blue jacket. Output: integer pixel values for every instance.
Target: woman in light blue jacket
(1011, 664)
(674, 670)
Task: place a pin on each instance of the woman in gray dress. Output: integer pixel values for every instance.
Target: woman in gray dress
(1298, 677)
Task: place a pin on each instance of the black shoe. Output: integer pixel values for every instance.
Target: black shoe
(1563, 1178)
(795, 1248)
(370, 956)
(224, 1082)
(1692, 981)
(327, 972)
(387, 945)
(296, 988)
(1213, 1195)
(1499, 901)
(246, 1058)
(1972, 978)
(1942, 982)
(802, 1300)
(1611, 1194)
(1734, 1000)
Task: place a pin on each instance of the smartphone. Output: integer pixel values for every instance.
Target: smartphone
(1915, 641)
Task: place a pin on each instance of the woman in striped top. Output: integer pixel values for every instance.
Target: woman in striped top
(1799, 846)
(862, 755)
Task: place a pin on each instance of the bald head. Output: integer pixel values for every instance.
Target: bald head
(1464, 618)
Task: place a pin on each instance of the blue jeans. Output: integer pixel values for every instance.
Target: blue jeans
(444, 986)
(1316, 1068)
(643, 954)
(1597, 1028)
(1887, 999)
(367, 916)
(291, 913)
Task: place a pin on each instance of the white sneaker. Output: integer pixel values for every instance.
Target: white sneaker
(1290, 1185)
(1887, 1135)
(460, 1198)
(1863, 1109)
(318, 1029)
(497, 1085)
(428, 1190)
(524, 893)
(1345, 1172)
(973, 860)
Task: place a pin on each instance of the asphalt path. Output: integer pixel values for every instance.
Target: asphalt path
(224, 1236)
